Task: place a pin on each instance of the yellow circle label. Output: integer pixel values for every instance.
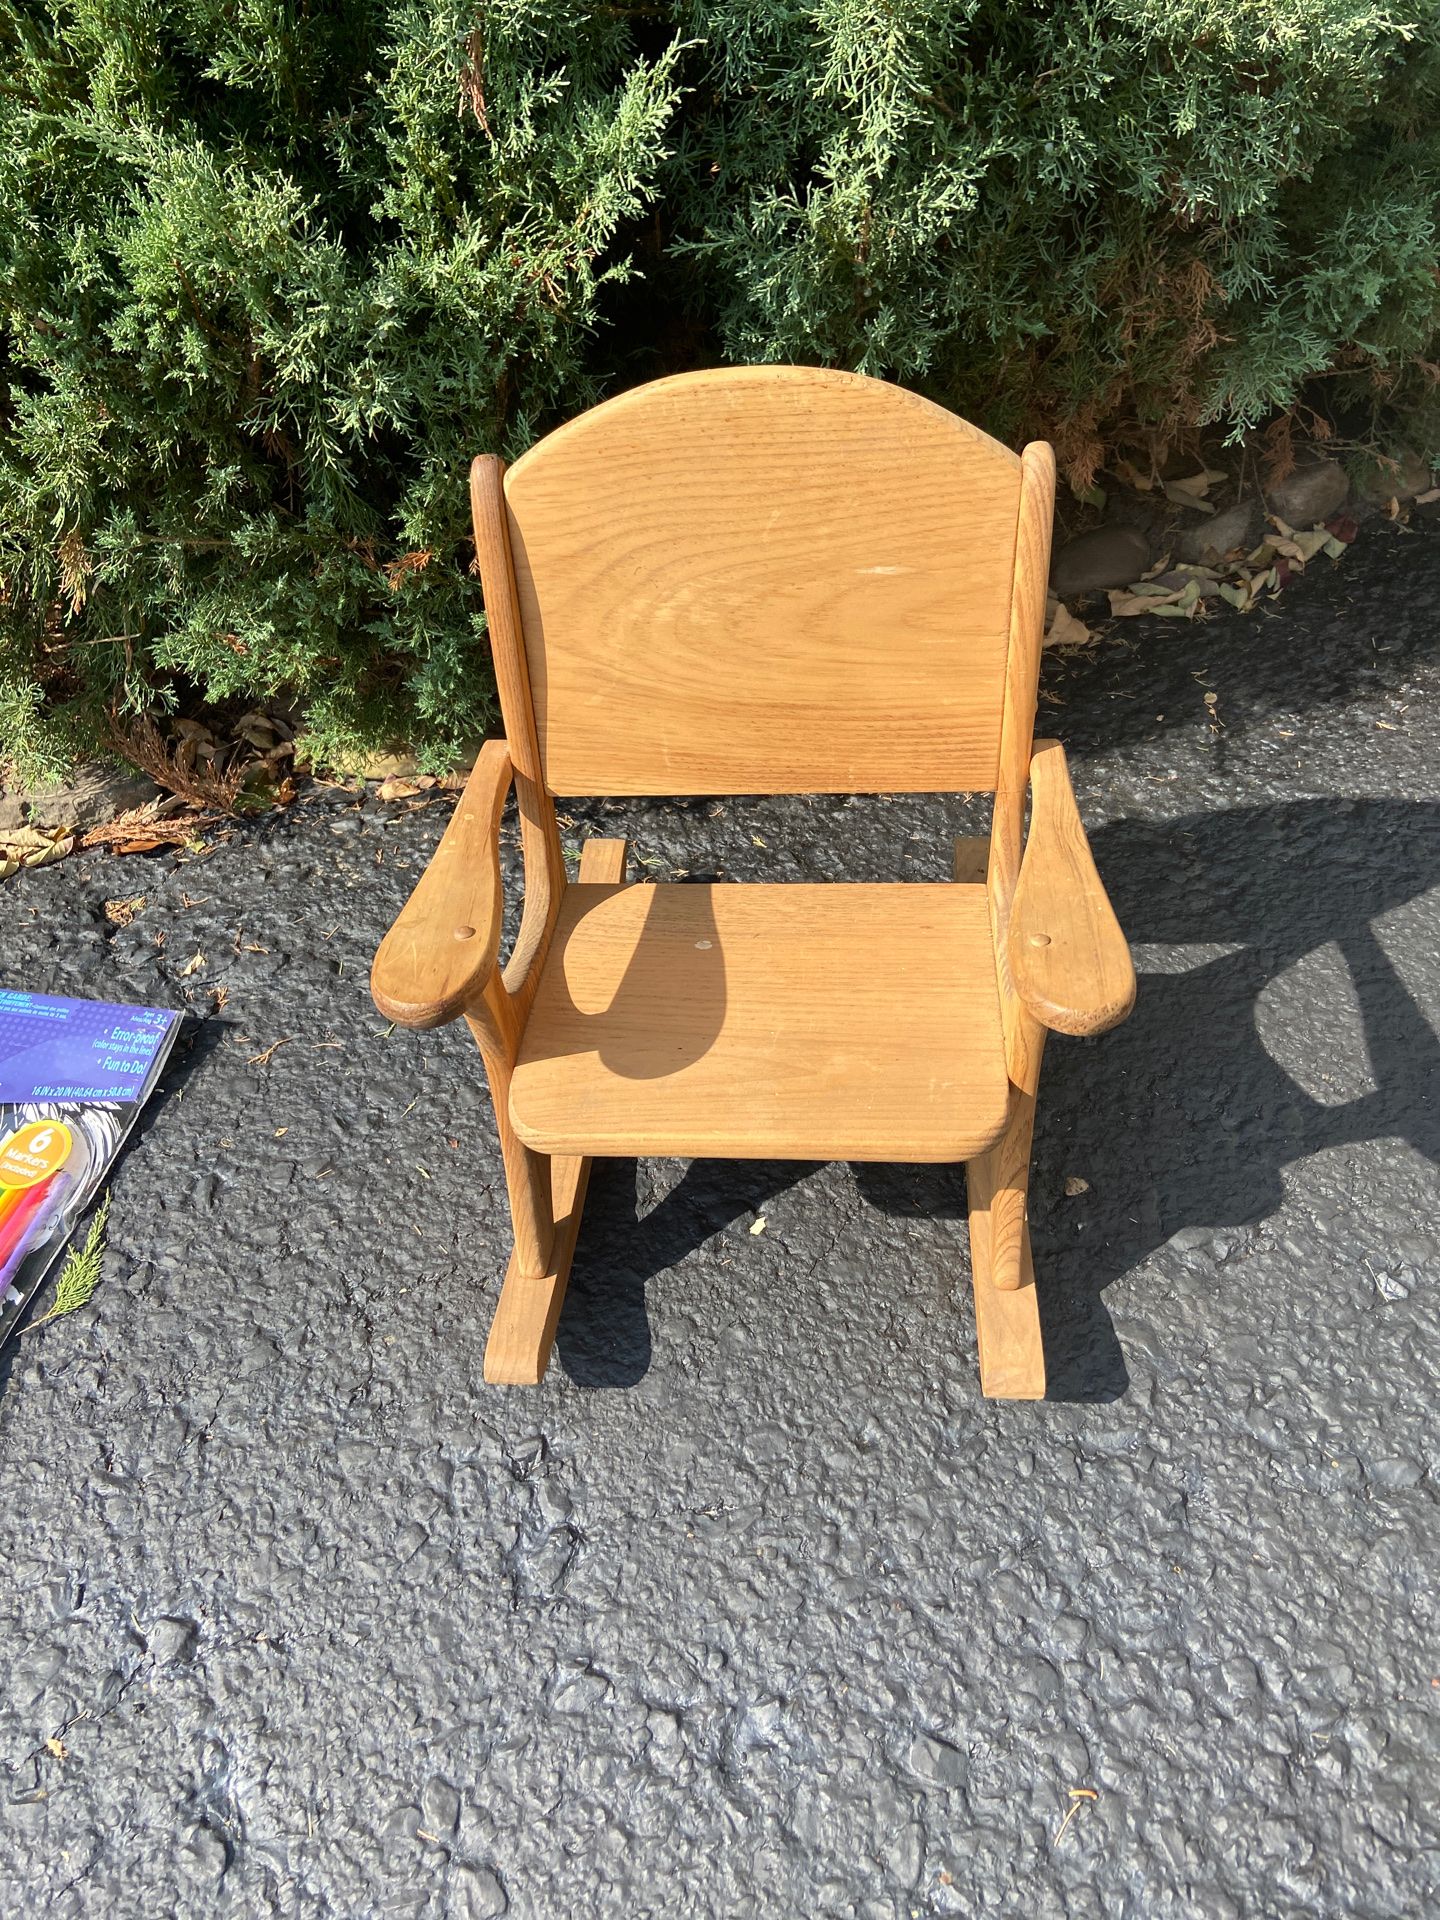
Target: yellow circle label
(34, 1153)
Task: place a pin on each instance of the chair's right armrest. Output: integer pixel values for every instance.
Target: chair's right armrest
(439, 955)
(1068, 957)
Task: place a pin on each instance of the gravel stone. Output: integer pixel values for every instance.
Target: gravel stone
(96, 794)
(1240, 525)
(1105, 557)
(1310, 494)
(167, 1640)
(1401, 478)
(936, 1762)
(756, 1607)
(440, 1804)
(478, 1894)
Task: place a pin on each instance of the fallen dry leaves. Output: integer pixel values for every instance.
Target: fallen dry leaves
(1064, 630)
(161, 823)
(1178, 591)
(33, 847)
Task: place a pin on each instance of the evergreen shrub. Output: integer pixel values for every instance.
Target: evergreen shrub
(270, 272)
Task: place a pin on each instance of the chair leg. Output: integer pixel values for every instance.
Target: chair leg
(1007, 1314)
(547, 1197)
(495, 1027)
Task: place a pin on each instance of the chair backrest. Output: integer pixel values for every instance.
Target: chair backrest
(769, 580)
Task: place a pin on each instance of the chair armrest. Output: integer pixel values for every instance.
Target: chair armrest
(1069, 961)
(441, 951)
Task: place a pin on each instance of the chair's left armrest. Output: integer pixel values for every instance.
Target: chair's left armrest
(439, 955)
(1069, 961)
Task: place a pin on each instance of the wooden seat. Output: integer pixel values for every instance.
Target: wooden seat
(764, 580)
(808, 1022)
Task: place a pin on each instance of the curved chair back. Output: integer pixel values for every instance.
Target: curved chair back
(770, 580)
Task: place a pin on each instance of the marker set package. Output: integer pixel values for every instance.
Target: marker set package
(74, 1075)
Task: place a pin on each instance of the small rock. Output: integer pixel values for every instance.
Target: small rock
(1397, 1473)
(553, 1502)
(1037, 1676)
(403, 1824)
(33, 1674)
(1310, 494)
(664, 1730)
(440, 1804)
(205, 1855)
(1239, 1679)
(110, 1689)
(1106, 557)
(1396, 1283)
(1401, 478)
(905, 1856)
(409, 1540)
(478, 1894)
(580, 1692)
(1238, 526)
(96, 794)
(1191, 1239)
(936, 1761)
(526, 1453)
(168, 1640)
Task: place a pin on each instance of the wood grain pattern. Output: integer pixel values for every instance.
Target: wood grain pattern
(1007, 1325)
(441, 950)
(803, 1022)
(998, 1181)
(522, 1332)
(1022, 681)
(765, 580)
(1007, 1314)
(539, 833)
(1068, 958)
(494, 1021)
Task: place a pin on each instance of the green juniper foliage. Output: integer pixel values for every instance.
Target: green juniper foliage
(82, 1270)
(269, 275)
(271, 272)
(1059, 218)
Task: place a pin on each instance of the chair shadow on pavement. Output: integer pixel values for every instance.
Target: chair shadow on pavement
(1179, 1119)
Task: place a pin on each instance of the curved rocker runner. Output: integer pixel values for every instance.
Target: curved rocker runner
(765, 580)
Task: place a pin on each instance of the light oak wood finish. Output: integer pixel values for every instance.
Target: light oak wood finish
(1017, 724)
(539, 832)
(1007, 1317)
(1007, 1326)
(1069, 961)
(438, 962)
(494, 1024)
(523, 1330)
(756, 1022)
(765, 580)
(439, 954)
(998, 1180)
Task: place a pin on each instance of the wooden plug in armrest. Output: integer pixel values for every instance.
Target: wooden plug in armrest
(441, 951)
(1068, 958)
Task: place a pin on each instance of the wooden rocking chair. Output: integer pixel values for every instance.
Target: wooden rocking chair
(764, 580)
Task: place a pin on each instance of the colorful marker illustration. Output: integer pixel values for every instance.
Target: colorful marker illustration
(32, 1187)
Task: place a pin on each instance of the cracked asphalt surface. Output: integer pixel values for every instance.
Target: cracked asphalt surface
(756, 1608)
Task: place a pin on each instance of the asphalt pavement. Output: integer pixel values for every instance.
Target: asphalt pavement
(756, 1608)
